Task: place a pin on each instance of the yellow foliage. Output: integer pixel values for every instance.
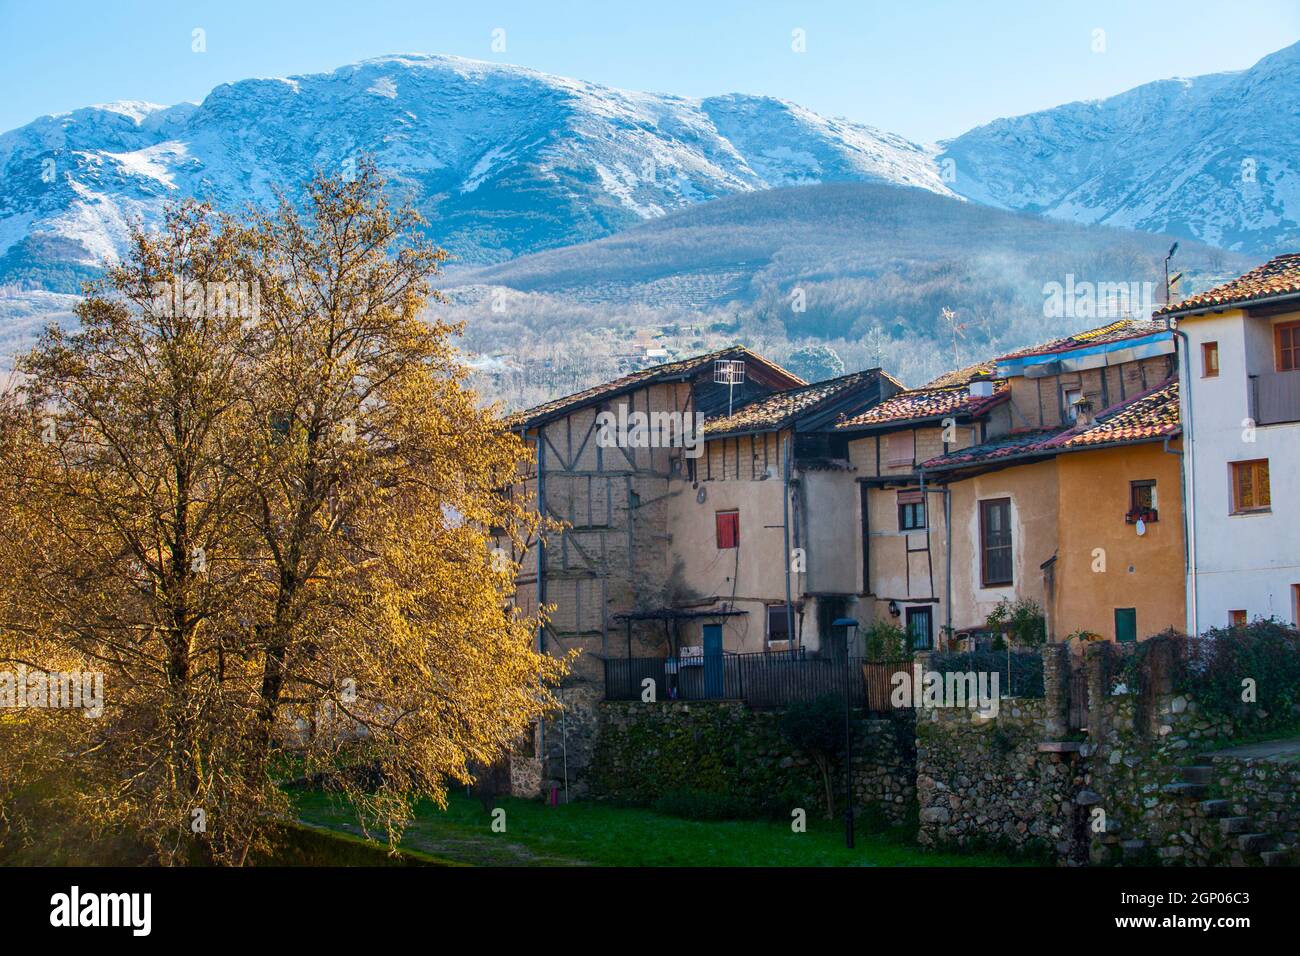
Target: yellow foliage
(268, 531)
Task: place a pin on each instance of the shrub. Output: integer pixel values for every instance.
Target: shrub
(1020, 673)
(1022, 622)
(816, 727)
(1211, 668)
(886, 641)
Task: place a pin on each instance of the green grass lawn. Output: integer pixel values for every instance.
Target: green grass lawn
(602, 835)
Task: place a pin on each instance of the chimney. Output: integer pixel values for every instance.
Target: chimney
(981, 386)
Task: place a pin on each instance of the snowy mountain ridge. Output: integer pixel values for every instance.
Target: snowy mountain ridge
(506, 160)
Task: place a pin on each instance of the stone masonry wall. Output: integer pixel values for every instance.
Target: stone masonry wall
(1145, 783)
(644, 751)
(984, 781)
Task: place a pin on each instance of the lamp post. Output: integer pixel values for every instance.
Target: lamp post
(850, 626)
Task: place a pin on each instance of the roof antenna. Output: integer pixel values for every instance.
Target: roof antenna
(729, 372)
(1172, 250)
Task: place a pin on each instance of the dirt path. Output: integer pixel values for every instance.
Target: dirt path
(451, 844)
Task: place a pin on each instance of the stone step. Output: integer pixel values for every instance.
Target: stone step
(1216, 808)
(1198, 774)
(1255, 842)
(1232, 825)
(1276, 857)
(1133, 847)
(1192, 791)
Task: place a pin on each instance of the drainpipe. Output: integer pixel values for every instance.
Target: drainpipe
(785, 525)
(1188, 475)
(541, 572)
(925, 508)
(947, 553)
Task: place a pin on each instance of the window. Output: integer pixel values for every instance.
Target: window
(1209, 359)
(728, 528)
(995, 542)
(1287, 340)
(1142, 501)
(1250, 486)
(778, 623)
(1236, 618)
(1142, 494)
(911, 511)
(1070, 398)
(1295, 604)
(1126, 630)
(920, 627)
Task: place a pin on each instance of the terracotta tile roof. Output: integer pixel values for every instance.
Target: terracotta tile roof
(1016, 445)
(919, 404)
(627, 383)
(962, 376)
(780, 408)
(1280, 276)
(1145, 417)
(1153, 414)
(1104, 335)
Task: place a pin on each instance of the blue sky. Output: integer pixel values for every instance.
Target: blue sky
(922, 68)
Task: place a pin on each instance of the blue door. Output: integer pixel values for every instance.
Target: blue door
(714, 683)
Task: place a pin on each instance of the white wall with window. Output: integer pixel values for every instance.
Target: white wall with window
(1240, 391)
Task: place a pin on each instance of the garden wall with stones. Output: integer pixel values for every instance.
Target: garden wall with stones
(723, 749)
(987, 782)
(1147, 781)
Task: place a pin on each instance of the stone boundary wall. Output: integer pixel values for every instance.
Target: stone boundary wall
(984, 781)
(646, 750)
(1143, 784)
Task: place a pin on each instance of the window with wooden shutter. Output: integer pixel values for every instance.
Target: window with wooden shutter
(995, 542)
(1250, 488)
(728, 528)
(899, 448)
(1287, 340)
(1210, 359)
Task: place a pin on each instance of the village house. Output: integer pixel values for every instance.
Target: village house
(902, 559)
(1040, 476)
(1077, 506)
(1240, 393)
(778, 508)
(761, 531)
(674, 541)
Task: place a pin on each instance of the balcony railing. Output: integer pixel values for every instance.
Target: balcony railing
(1275, 397)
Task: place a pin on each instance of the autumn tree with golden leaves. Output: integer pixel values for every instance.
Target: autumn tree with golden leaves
(254, 491)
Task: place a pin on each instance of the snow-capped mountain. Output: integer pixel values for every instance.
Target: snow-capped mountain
(1216, 158)
(503, 160)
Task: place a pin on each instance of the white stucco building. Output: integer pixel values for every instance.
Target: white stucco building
(1239, 366)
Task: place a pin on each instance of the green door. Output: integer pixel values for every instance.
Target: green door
(1126, 624)
(714, 675)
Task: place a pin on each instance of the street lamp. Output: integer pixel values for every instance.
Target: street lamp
(850, 626)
